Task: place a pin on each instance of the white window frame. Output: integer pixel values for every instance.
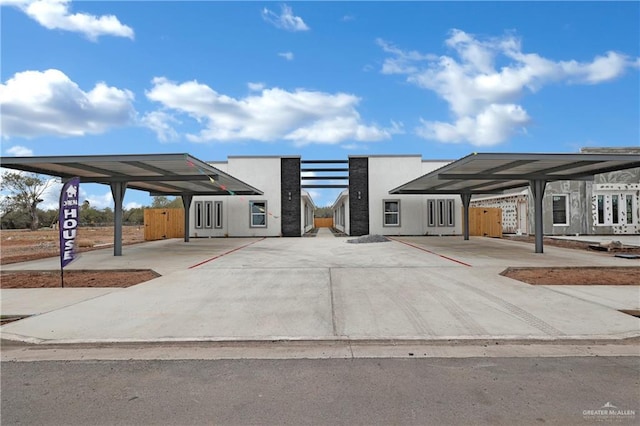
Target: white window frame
(566, 210)
(252, 214)
(390, 214)
(441, 212)
(217, 212)
(431, 213)
(602, 222)
(208, 214)
(451, 212)
(198, 214)
(629, 218)
(622, 218)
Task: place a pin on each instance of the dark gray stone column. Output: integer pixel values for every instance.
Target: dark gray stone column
(358, 196)
(117, 191)
(291, 211)
(186, 202)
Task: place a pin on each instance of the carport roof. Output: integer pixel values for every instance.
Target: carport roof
(159, 174)
(483, 173)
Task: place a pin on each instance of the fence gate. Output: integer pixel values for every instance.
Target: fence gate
(485, 222)
(323, 222)
(160, 224)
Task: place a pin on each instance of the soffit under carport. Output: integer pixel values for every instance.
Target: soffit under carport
(158, 174)
(483, 173)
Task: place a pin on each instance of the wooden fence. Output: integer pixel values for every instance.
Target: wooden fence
(160, 224)
(485, 222)
(323, 222)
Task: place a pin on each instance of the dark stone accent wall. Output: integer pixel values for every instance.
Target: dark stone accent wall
(291, 214)
(358, 205)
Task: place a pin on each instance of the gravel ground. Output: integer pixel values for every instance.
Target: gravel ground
(365, 239)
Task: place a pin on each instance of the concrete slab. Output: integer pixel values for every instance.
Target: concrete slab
(324, 233)
(627, 240)
(225, 304)
(163, 256)
(616, 297)
(446, 303)
(33, 301)
(326, 289)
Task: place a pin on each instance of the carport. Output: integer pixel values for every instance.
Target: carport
(158, 174)
(493, 173)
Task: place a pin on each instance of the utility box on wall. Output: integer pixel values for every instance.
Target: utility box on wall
(160, 224)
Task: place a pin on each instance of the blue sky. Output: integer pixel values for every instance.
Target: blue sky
(323, 80)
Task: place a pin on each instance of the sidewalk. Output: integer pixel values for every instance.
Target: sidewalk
(323, 289)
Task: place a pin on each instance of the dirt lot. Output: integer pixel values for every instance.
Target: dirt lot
(22, 245)
(75, 278)
(576, 275)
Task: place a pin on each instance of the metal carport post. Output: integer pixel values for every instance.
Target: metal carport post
(117, 190)
(537, 189)
(466, 201)
(186, 202)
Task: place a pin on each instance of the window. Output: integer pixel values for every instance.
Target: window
(600, 209)
(441, 214)
(629, 208)
(560, 216)
(614, 209)
(218, 214)
(198, 214)
(258, 211)
(431, 212)
(208, 214)
(450, 213)
(391, 213)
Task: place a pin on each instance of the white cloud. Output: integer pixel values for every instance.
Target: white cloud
(55, 14)
(98, 202)
(287, 55)
(132, 205)
(496, 123)
(38, 103)
(482, 97)
(161, 123)
(256, 87)
(19, 151)
(286, 20)
(300, 116)
(51, 197)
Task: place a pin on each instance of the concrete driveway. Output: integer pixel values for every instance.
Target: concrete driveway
(415, 288)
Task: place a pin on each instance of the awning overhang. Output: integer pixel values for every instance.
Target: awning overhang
(490, 173)
(494, 173)
(157, 174)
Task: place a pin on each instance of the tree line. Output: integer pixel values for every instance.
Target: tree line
(23, 192)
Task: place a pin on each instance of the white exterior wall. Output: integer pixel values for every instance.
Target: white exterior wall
(260, 172)
(342, 201)
(388, 172)
(307, 208)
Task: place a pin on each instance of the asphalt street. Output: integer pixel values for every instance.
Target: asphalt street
(426, 391)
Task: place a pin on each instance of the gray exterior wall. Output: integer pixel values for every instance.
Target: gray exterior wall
(291, 209)
(358, 196)
(583, 199)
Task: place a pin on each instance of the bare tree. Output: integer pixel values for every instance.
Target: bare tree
(25, 193)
